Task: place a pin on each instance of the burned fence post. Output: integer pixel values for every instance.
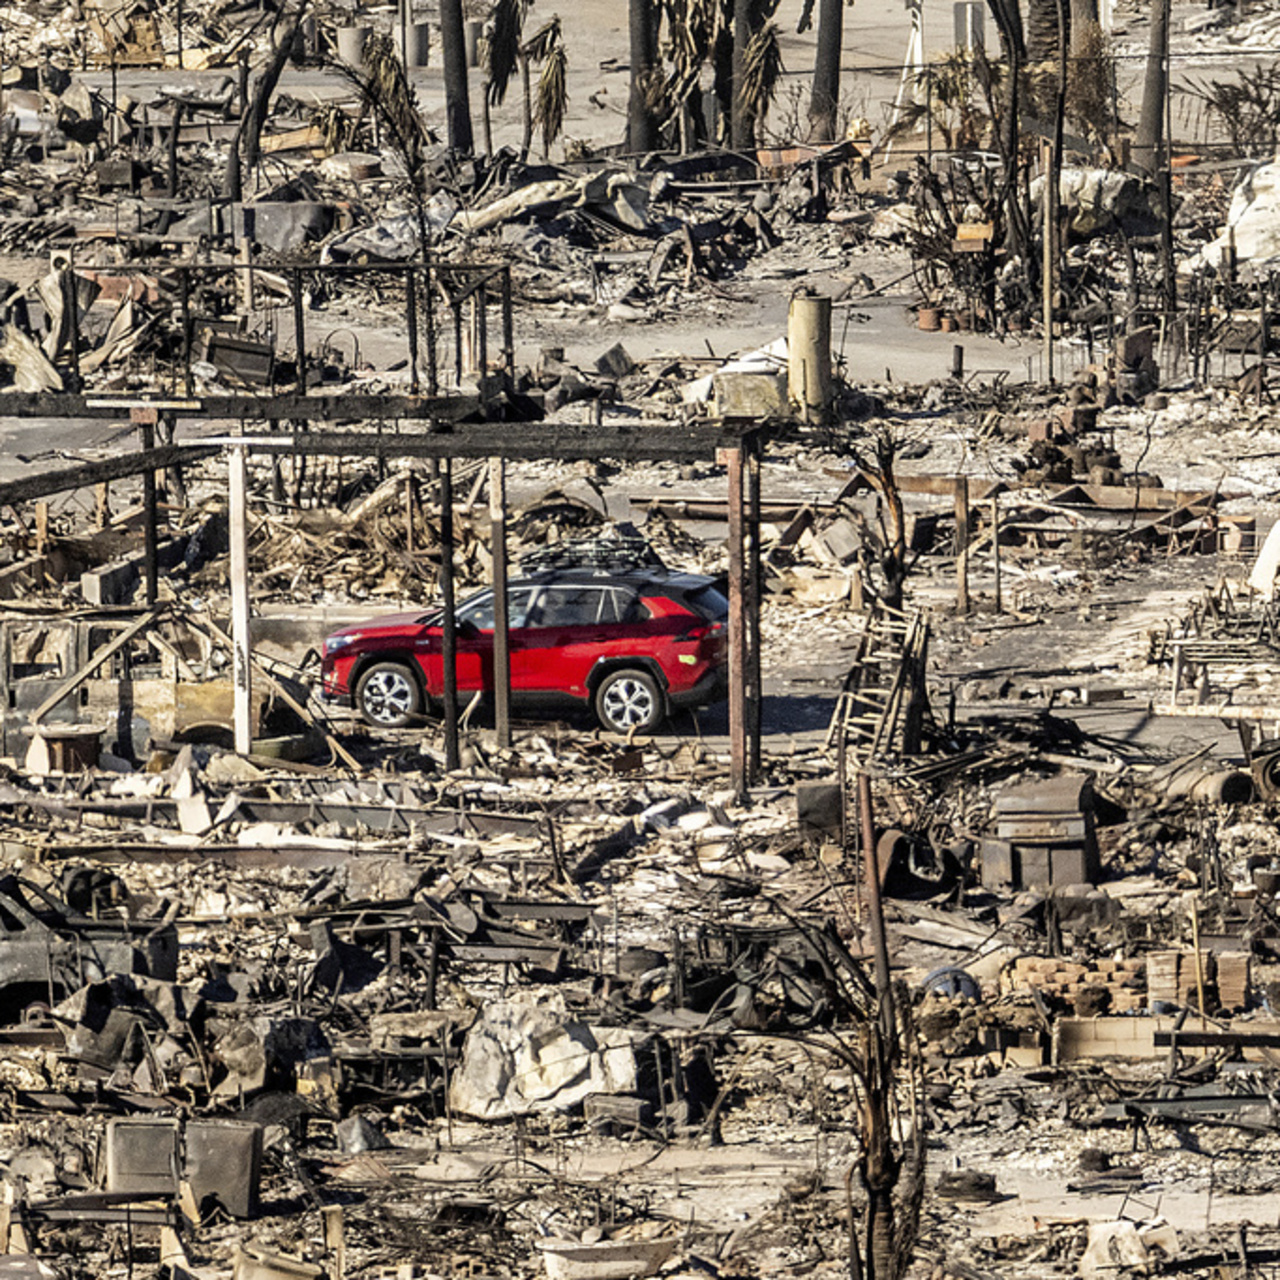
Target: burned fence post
(737, 629)
(299, 329)
(146, 422)
(175, 481)
(411, 321)
(508, 331)
(501, 622)
(995, 550)
(962, 544)
(449, 638)
(755, 588)
(429, 286)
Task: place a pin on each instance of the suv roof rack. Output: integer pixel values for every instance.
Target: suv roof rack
(605, 555)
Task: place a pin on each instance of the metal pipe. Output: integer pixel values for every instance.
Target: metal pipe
(875, 907)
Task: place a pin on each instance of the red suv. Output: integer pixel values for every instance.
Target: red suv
(632, 645)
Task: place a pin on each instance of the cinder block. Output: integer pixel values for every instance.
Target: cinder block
(751, 395)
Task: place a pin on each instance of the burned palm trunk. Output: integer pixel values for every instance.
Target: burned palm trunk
(824, 100)
(456, 99)
(742, 121)
(642, 124)
(1155, 88)
(1150, 144)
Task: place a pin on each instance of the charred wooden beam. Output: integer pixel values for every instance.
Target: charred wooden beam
(130, 464)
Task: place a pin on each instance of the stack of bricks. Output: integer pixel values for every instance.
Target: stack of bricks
(1233, 980)
(1119, 986)
(1171, 976)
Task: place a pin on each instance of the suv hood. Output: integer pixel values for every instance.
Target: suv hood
(384, 622)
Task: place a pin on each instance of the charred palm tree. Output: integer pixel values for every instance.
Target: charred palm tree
(757, 68)
(824, 97)
(505, 51)
(642, 115)
(457, 101)
(501, 57)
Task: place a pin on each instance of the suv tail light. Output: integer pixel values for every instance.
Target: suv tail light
(703, 631)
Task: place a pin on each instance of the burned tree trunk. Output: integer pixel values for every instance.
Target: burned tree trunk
(642, 124)
(824, 100)
(457, 101)
(1008, 19)
(255, 118)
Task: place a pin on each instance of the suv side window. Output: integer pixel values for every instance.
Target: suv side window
(630, 608)
(621, 606)
(567, 606)
(479, 612)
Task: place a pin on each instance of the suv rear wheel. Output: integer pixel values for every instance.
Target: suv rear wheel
(628, 700)
(388, 696)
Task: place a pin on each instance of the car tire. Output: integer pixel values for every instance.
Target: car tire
(388, 696)
(629, 701)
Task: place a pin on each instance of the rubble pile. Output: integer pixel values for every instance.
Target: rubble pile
(859, 852)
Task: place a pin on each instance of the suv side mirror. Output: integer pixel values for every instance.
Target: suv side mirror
(468, 630)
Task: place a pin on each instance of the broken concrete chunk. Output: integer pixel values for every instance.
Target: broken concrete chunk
(520, 1058)
(615, 363)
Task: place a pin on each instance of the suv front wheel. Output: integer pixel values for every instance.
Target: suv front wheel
(388, 696)
(628, 700)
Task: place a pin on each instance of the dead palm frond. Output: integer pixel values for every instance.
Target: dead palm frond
(762, 70)
(539, 46)
(553, 95)
(692, 29)
(503, 47)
